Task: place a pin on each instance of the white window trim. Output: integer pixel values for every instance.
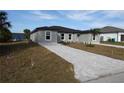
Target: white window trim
(61, 36)
(50, 36)
(71, 37)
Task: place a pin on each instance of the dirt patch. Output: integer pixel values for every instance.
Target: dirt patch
(29, 62)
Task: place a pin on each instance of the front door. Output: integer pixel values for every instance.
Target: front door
(122, 37)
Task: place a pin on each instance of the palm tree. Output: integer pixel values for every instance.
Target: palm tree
(95, 32)
(5, 33)
(3, 20)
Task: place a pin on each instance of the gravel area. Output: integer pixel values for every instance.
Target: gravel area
(87, 66)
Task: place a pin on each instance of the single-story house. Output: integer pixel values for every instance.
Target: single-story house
(18, 36)
(59, 34)
(112, 33)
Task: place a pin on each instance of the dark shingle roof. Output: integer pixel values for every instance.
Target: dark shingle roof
(107, 29)
(110, 29)
(59, 29)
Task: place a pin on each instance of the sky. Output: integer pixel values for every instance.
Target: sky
(76, 19)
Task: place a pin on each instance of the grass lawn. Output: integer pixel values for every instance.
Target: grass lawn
(29, 62)
(114, 43)
(112, 52)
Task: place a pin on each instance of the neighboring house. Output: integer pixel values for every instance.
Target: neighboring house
(59, 34)
(112, 33)
(18, 36)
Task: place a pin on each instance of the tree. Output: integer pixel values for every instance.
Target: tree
(95, 32)
(27, 34)
(5, 33)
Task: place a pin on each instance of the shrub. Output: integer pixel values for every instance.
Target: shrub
(5, 35)
(90, 45)
(111, 40)
(27, 34)
(64, 43)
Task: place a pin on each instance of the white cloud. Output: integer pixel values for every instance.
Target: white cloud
(93, 19)
(81, 15)
(113, 13)
(44, 15)
(91, 15)
(78, 15)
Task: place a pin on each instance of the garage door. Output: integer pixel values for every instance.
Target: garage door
(122, 37)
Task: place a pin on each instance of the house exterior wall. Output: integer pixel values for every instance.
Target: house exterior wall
(119, 36)
(84, 38)
(40, 36)
(88, 38)
(106, 36)
(56, 37)
(75, 37)
(97, 38)
(66, 37)
(116, 36)
(32, 37)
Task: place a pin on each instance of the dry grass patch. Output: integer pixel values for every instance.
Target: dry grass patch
(112, 52)
(113, 43)
(29, 62)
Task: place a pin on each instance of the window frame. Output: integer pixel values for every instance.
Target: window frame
(62, 36)
(48, 35)
(69, 37)
(94, 37)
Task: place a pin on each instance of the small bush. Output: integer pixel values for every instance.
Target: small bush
(64, 43)
(5, 35)
(111, 40)
(90, 45)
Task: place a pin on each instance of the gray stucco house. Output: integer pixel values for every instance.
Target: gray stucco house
(59, 34)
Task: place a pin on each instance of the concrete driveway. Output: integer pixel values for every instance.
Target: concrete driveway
(87, 66)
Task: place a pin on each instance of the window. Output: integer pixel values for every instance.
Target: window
(69, 37)
(62, 36)
(93, 36)
(78, 35)
(47, 35)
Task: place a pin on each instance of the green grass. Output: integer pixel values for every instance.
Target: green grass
(113, 43)
(28, 62)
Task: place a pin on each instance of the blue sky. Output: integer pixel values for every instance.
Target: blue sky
(82, 19)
